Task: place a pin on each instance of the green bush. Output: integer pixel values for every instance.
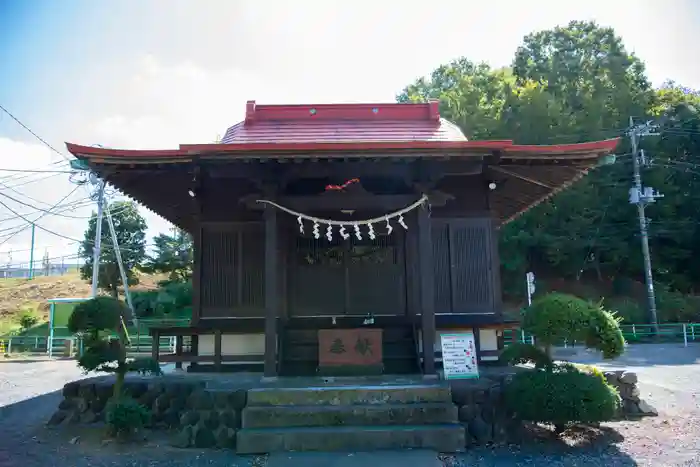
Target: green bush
(171, 298)
(554, 317)
(604, 333)
(28, 319)
(629, 311)
(562, 397)
(676, 307)
(97, 314)
(94, 319)
(520, 353)
(124, 416)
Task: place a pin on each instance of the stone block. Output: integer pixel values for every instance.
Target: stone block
(66, 404)
(225, 437)
(237, 399)
(203, 437)
(480, 430)
(229, 418)
(58, 417)
(200, 400)
(442, 438)
(629, 377)
(71, 389)
(359, 395)
(646, 409)
(209, 419)
(349, 415)
(190, 417)
(184, 438)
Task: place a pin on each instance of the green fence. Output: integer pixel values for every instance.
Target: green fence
(63, 343)
(634, 333)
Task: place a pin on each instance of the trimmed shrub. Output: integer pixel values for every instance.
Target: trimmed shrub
(554, 317)
(562, 397)
(124, 416)
(521, 353)
(604, 333)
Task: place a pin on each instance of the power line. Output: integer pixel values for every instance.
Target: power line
(33, 134)
(30, 222)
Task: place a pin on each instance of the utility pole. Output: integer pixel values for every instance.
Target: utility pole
(641, 196)
(31, 255)
(98, 238)
(120, 263)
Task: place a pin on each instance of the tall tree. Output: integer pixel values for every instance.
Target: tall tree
(130, 228)
(571, 84)
(172, 255)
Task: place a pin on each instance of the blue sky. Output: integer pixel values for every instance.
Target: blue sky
(156, 73)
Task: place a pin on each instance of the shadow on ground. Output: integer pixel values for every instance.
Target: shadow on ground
(580, 445)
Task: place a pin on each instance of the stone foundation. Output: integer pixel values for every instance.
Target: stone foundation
(626, 384)
(199, 416)
(216, 411)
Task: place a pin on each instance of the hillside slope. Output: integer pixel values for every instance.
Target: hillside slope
(18, 296)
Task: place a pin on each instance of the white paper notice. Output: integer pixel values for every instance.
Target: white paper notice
(459, 356)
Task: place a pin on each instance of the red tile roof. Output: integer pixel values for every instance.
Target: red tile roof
(342, 123)
(350, 129)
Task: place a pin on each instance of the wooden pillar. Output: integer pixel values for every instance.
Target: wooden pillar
(155, 345)
(197, 237)
(217, 349)
(427, 290)
(178, 350)
(271, 292)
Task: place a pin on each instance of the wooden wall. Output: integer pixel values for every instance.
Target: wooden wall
(316, 280)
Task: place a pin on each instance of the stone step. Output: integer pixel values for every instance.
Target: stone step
(350, 395)
(442, 438)
(345, 415)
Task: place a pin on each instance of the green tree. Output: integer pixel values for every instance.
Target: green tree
(130, 228)
(172, 255)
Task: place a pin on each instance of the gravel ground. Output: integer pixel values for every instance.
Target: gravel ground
(669, 380)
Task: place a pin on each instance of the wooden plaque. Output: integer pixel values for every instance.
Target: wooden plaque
(361, 346)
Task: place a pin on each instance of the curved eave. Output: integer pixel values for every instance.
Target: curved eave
(188, 152)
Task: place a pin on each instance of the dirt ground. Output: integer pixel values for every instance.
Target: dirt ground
(669, 380)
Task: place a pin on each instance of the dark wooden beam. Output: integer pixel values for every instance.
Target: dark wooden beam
(337, 202)
(271, 291)
(427, 292)
(402, 169)
(524, 178)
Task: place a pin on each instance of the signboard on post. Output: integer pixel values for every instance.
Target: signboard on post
(530, 281)
(459, 355)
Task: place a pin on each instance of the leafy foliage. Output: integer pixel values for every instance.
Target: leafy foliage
(125, 415)
(564, 396)
(603, 333)
(172, 255)
(171, 298)
(97, 314)
(130, 228)
(522, 353)
(28, 319)
(95, 320)
(556, 317)
(571, 84)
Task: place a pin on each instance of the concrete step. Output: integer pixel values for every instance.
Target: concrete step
(351, 395)
(346, 415)
(442, 438)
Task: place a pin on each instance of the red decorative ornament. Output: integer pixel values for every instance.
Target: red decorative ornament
(343, 186)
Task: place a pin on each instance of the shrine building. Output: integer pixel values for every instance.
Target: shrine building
(341, 238)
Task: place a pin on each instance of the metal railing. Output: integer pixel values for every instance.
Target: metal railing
(67, 345)
(633, 333)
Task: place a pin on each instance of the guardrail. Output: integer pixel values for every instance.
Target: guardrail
(633, 333)
(71, 346)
